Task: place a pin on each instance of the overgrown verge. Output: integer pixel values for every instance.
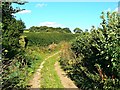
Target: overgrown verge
(20, 69)
(12, 63)
(94, 63)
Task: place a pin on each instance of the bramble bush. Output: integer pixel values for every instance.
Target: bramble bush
(96, 63)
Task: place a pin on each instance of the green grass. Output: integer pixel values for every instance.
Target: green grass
(35, 56)
(46, 38)
(50, 79)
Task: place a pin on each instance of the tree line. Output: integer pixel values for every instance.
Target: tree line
(49, 29)
(53, 29)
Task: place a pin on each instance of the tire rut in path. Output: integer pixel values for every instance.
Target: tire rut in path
(66, 82)
(35, 82)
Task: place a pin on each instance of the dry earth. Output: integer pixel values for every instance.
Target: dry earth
(66, 82)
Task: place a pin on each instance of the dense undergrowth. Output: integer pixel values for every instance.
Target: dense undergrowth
(92, 60)
(17, 74)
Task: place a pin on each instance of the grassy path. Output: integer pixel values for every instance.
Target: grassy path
(41, 76)
(49, 77)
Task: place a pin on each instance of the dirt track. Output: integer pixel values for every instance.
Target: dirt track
(35, 82)
(66, 82)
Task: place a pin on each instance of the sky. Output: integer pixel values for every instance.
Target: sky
(64, 14)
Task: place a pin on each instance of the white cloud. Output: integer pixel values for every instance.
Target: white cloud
(41, 5)
(116, 9)
(24, 12)
(50, 24)
(109, 9)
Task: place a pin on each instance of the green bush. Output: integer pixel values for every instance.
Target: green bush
(19, 69)
(97, 55)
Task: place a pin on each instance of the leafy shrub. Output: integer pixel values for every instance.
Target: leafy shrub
(12, 55)
(14, 74)
(97, 55)
(18, 70)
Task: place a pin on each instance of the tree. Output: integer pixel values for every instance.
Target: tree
(49, 29)
(11, 30)
(78, 30)
(66, 30)
(93, 28)
(12, 54)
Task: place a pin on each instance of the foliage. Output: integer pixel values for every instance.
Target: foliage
(13, 59)
(11, 30)
(17, 74)
(49, 29)
(66, 56)
(14, 74)
(78, 30)
(96, 61)
(47, 38)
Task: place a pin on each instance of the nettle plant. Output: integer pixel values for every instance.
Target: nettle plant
(99, 67)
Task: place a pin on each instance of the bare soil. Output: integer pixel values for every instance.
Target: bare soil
(66, 82)
(35, 82)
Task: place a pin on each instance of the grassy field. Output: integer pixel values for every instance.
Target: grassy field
(46, 38)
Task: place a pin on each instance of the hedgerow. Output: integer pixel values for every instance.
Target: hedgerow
(96, 63)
